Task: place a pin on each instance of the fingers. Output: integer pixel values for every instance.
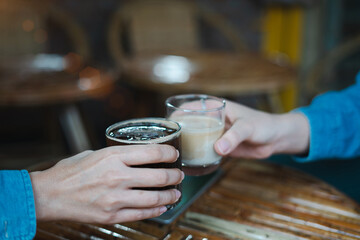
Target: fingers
(145, 198)
(148, 177)
(136, 205)
(129, 214)
(145, 154)
(252, 151)
(236, 134)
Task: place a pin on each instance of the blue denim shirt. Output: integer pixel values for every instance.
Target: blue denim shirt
(17, 207)
(334, 119)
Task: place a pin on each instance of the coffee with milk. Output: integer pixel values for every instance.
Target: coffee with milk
(199, 133)
(202, 120)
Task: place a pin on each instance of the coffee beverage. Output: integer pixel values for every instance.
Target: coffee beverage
(148, 131)
(198, 137)
(202, 123)
(141, 132)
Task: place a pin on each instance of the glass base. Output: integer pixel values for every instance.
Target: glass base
(196, 170)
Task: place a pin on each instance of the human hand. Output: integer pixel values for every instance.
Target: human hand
(255, 134)
(96, 186)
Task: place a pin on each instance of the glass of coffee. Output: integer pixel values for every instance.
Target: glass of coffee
(148, 131)
(202, 120)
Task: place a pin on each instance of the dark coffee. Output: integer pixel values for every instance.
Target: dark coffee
(148, 131)
(141, 131)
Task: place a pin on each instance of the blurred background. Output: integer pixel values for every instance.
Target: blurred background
(69, 69)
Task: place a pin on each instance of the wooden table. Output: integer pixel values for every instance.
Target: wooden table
(54, 80)
(211, 72)
(253, 200)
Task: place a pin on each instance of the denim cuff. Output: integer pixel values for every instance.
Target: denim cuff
(17, 206)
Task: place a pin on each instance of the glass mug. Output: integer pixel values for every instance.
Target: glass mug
(148, 131)
(202, 119)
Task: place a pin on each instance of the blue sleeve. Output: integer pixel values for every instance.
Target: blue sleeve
(334, 120)
(17, 207)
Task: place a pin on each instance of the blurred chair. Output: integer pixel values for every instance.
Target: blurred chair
(323, 76)
(32, 77)
(156, 45)
(160, 26)
(23, 28)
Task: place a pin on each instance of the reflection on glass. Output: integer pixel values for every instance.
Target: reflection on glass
(173, 69)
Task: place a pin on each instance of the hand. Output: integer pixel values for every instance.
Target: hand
(254, 134)
(96, 186)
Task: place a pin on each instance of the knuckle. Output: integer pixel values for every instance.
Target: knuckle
(106, 151)
(109, 203)
(108, 218)
(111, 179)
(242, 130)
(163, 177)
(87, 152)
(114, 178)
(140, 215)
(234, 137)
(154, 200)
(247, 128)
(156, 152)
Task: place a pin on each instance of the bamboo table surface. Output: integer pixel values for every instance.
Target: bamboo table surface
(252, 200)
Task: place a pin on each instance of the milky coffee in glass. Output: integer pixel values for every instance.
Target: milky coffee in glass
(202, 121)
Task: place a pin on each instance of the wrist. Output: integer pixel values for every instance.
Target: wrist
(42, 196)
(293, 134)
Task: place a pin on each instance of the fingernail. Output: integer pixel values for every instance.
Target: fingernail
(163, 209)
(182, 175)
(223, 146)
(177, 154)
(177, 194)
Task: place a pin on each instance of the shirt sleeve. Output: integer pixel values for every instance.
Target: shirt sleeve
(17, 207)
(334, 120)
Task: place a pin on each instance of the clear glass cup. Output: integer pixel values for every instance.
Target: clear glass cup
(202, 119)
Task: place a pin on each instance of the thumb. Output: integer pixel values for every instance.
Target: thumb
(234, 136)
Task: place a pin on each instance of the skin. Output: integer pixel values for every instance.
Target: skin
(96, 186)
(255, 134)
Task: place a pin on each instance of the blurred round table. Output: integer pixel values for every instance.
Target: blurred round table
(51, 80)
(252, 200)
(211, 72)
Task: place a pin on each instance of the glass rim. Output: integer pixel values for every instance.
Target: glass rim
(146, 119)
(199, 96)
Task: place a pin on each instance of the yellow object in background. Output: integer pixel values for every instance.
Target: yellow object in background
(282, 42)
(272, 31)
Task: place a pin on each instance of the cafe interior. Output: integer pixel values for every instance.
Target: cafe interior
(69, 69)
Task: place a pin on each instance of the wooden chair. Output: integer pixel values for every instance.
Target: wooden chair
(163, 26)
(31, 77)
(23, 28)
(142, 33)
